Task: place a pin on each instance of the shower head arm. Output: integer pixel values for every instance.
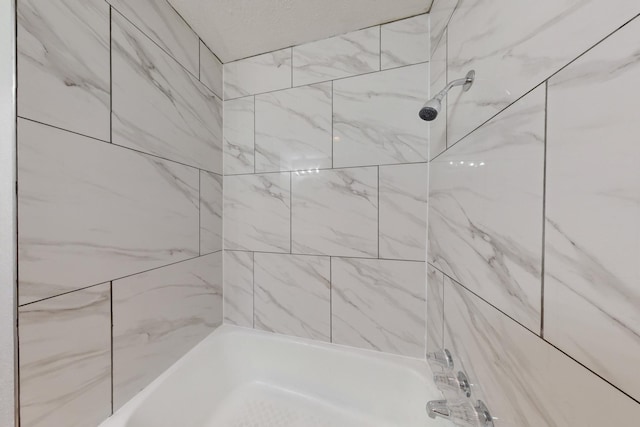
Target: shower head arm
(466, 82)
(431, 108)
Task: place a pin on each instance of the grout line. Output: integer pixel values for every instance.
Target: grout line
(326, 255)
(332, 124)
(119, 146)
(330, 299)
(254, 134)
(200, 212)
(253, 286)
(380, 48)
(16, 286)
(544, 207)
(111, 312)
(200, 59)
(110, 77)
(378, 212)
(118, 278)
(290, 213)
(328, 169)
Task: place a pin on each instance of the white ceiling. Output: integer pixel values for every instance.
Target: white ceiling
(235, 29)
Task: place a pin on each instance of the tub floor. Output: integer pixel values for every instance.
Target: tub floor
(264, 405)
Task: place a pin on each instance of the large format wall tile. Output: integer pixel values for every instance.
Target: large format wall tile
(63, 64)
(158, 107)
(514, 46)
(485, 210)
(263, 73)
(90, 211)
(238, 288)
(592, 253)
(160, 315)
(210, 70)
(524, 381)
(438, 81)
(65, 360)
(379, 304)
(376, 117)
(293, 129)
(335, 212)
(346, 55)
(435, 309)
(292, 294)
(239, 134)
(405, 42)
(257, 211)
(403, 211)
(210, 212)
(160, 22)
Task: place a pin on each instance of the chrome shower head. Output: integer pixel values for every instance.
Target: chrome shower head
(430, 110)
(432, 107)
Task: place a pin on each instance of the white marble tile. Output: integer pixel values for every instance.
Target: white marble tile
(335, 212)
(346, 55)
(293, 129)
(63, 64)
(90, 211)
(160, 22)
(210, 70)
(238, 288)
(239, 135)
(257, 74)
(158, 107)
(524, 381)
(257, 212)
(514, 46)
(292, 294)
(379, 304)
(592, 245)
(158, 316)
(435, 309)
(405, 42)
(438, 81)
(485, 210)
(210, 212)
(375, 117)
(65, 360)
(440, 14)
(403, 196)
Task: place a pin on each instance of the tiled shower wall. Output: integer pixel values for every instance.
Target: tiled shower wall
(120, 202)
(326, 187)
(534, 208)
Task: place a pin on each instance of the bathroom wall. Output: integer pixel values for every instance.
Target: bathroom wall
(326, 187)
(119, 202)
(534, 208)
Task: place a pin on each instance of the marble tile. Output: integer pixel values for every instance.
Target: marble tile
(257, 212)
(63, 64)
(238, 288)
(162, 24)
(239, 135)
(524, 381)
(435, 309)
(158, 316)
(485, 210)
(346, 55)
(379, 305)
(438, 81)
(335, 212)
(375, 118)
(293, 129)
(440, 15)
(158, 108)
(65, 359)
(405, 42)
(513, 46)
(258, 74)
(210, 70)
(90, 211)
(403, 196)
(292, 294)
(210, 212)
(592, 245)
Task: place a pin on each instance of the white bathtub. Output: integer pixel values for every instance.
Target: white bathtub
(244, 378)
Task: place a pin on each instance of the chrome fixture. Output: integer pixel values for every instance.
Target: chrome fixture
(441, 358)
(431, 108)
(447, 381)
(462, 414)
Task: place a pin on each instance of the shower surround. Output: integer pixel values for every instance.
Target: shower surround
(119, 202)
(534, 205)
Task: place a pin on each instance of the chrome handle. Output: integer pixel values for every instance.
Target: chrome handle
(462, 414)
(447, 381)
(441, 358)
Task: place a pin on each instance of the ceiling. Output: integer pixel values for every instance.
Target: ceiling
(235, 29)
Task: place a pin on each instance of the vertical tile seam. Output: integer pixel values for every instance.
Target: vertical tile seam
(332, 125)
(254, 134)
(111, 329)
(199, 212)
(330, 298)
(544, 207)
(378, 203)
(291, 212)
(253, 291)
(16, 285)
(380, 48)
(110, 75)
